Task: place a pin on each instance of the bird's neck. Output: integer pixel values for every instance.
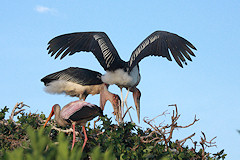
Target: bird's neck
(104, 96)
(60, 121)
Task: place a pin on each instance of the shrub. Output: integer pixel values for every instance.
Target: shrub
(26, 139)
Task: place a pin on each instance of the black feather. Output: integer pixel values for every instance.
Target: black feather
(77, 75)
(86, 113)
(159, 43)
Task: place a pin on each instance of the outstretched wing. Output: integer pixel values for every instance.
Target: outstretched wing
(159, 43)
(96, 42)
(77, 75)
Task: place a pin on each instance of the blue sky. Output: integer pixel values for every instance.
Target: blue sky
(208, 87)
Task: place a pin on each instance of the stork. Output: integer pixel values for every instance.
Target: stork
(77, 112)
(125, 74)
(80, 82)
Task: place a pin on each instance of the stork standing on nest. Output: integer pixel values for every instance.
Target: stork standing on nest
(123, 74)
(77, 112)
(80, 82)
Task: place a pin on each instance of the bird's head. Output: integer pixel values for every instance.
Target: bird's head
(136, 97)
(116, 105)
(51, 114)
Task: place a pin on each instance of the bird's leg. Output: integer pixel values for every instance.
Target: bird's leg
(125, 101)
(122, 106)
(74, 135)
(85, 137)
(82, 97)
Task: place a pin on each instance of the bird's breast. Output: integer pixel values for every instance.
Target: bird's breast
(72, 89)
(136, 76)
(122, 78)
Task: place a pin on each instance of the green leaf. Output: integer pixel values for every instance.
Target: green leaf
(17, 154)
(108, 155)
(76, 153)
(96, 154)
(62, 149)
(3, 112)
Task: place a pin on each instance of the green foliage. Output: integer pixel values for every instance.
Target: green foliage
(13, 134)
(97, 155)
(42, 148)
(220, 155)
(3, 112)
(125, 141)
(38, 143)
(30, 119)
(26, 139)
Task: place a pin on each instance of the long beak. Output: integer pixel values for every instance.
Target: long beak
(117, 108)
(136, 97)
(103, 98)
(49, 117)
(102, 103)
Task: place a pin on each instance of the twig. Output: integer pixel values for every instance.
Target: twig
(165, 132)
(181, 142)
(195, 144)
(148, 136)
(163, 114)
(70, 130)
(204, 143)
(127, 112)
(17, 106)
(195, 120)
(134, 148)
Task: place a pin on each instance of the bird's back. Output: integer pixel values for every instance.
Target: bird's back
(76, 75)
(80, 110)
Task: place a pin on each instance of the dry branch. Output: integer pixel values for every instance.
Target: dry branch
(68, 131)
(181, 142)
(164, 133)
(127, 111)
(204, 143)
(17, 106)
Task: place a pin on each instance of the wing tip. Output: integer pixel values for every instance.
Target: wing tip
(193, 47)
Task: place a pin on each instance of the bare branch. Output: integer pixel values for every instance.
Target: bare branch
(204, 143)
(207, 143)
(165, 132)
(70, 130)
(17, 106)
(181, 142)
(194, 121)
(163, 114)
(18, 112)
(127, 112)
(148, 136)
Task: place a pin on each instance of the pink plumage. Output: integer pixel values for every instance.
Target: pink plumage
(73, 107)
(77, 112)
